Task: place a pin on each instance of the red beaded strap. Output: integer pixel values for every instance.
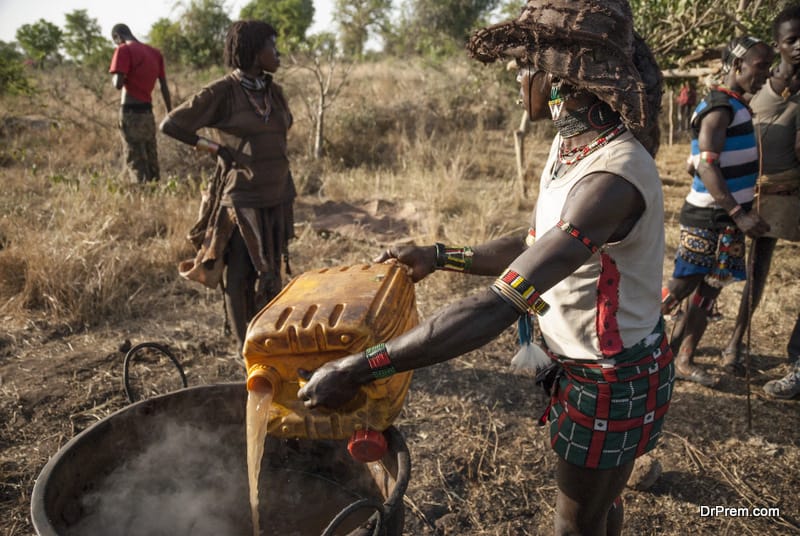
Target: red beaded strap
(576, 233)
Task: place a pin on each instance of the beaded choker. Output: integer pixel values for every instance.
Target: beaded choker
(731, 93)
(579, 153)
(257, 83)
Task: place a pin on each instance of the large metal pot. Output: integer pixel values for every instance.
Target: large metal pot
(176, 465)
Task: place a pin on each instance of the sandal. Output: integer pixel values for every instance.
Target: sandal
(694, 374)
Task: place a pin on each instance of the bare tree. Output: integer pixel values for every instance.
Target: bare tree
(330, 75)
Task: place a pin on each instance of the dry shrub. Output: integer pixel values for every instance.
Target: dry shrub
(90, 250)
(78, 243)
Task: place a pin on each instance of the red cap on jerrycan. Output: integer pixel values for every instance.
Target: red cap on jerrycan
(367, 445)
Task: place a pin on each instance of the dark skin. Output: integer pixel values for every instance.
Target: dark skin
(585, 495)
(746, 77)
(118, 79)
(240, 274)
(786, 75)
(787, 44)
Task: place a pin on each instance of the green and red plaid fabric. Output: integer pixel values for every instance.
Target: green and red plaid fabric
(604, 415)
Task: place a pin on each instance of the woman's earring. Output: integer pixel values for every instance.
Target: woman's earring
(556, 102)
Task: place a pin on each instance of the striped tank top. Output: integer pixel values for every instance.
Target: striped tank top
(739, 158)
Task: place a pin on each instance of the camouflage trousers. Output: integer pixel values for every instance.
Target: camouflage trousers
(139, 134)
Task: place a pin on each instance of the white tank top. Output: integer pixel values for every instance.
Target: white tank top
(612, 301)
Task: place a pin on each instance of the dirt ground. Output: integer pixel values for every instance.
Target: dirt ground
(481, 465)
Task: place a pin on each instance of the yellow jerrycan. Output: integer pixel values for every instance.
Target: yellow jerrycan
(320, 316)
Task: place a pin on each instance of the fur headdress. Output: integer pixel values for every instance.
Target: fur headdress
(591, 45)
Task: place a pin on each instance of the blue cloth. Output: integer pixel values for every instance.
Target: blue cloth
(717, 254)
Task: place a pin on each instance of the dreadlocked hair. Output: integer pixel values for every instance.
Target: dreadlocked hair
(788, 13)
(244, 40)
(649, 135)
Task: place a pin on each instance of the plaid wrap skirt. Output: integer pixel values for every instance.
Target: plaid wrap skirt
(607, 413)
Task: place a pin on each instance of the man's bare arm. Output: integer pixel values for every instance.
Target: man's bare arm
(162, 82)
(711, 139)
(604, 206)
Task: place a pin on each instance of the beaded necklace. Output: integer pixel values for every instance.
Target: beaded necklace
(256, 86)
(579, 153)
(264, 111)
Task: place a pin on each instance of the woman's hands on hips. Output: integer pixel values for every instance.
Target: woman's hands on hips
(226, 155)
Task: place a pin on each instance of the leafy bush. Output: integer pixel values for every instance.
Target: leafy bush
(40, 41)
(13, 80)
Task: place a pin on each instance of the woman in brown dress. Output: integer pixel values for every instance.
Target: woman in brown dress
(246, 217)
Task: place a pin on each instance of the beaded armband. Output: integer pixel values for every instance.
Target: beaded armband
(379, 363)
(453, 259)
(576, 233)
(709, 157)
(519, 293)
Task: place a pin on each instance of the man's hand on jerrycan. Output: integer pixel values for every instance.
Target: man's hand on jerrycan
(329, 386)
(420, 261)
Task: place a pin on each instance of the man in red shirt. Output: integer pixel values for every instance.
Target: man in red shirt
(135, 68)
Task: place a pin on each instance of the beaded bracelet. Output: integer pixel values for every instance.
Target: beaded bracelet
(206, 145)
(734, 211)
(453, 259)
(379, 363)
(519, 293)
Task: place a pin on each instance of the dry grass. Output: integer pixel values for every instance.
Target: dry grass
(82, 249)
(81, 246)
